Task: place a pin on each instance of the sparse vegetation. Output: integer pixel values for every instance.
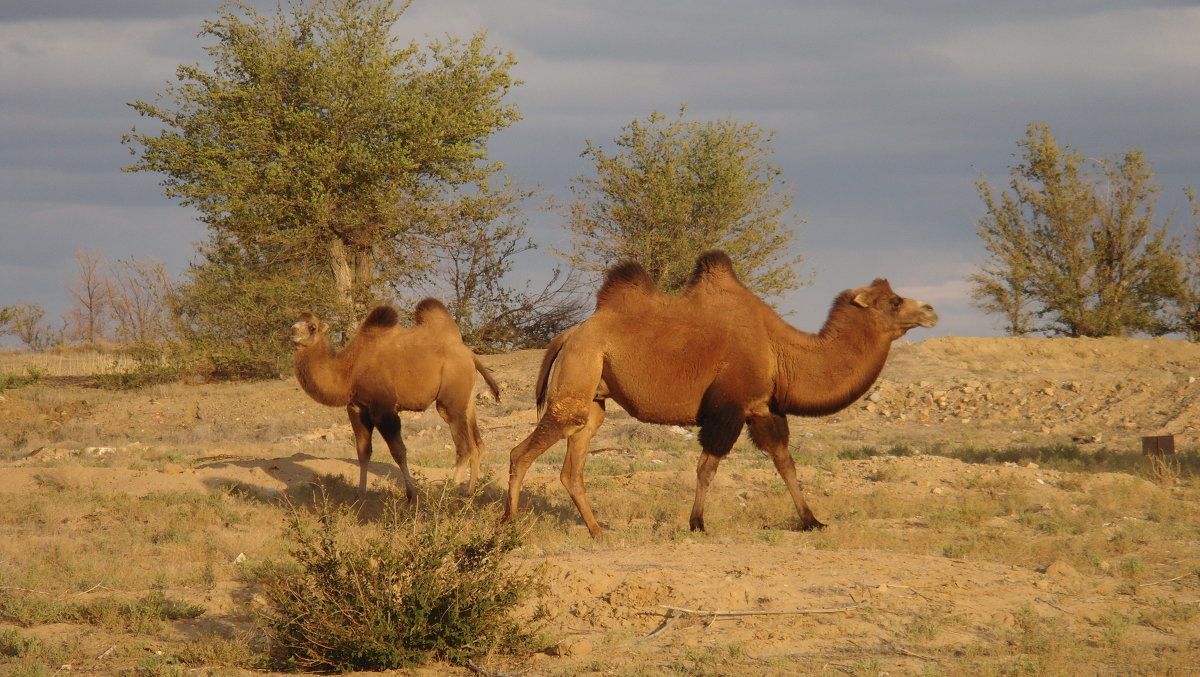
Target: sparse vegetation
(431, 583)
(31, 376)
(958, 549)
(144, 615)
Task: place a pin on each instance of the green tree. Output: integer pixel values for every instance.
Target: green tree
(314, 149)
(1073, 248)
(1189, 310)
(674, 188)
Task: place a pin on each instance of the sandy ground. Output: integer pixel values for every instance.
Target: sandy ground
(787, 605)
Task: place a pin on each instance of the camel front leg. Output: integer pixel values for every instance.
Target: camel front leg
(705, 470)
(770, 433)
(363, 427)
(572, 470)
(719, 429)
(389, 428)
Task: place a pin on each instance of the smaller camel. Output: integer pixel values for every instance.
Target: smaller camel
(386, 369)
(715, 356)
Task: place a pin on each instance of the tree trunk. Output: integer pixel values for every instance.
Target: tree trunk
(353, 273)
(343, 279)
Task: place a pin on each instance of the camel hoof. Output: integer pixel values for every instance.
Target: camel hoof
(697, 525)
(810, 526)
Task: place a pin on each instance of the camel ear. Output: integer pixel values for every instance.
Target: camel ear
(862, 300)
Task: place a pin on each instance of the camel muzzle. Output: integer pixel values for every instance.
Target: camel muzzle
(930, 318)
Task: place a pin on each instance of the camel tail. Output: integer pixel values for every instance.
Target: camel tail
(543, 377)
(487, 376)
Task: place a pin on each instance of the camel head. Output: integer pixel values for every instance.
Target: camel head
(307, 330)
(891, 313)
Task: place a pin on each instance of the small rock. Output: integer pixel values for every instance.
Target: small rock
(172, 468)
(1059, 569)
(938, 491)
(1031, 465)
(572, 647)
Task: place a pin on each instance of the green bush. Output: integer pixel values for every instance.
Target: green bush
(32, 375)
(421, 584)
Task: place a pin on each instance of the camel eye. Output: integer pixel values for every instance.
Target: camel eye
(312, 328)
(897, 301)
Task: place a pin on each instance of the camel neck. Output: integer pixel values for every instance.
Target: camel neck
(823, 373)
(322, 374)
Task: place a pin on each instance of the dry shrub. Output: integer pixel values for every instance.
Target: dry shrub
(429, 583)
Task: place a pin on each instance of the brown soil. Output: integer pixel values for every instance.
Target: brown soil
(795, 605)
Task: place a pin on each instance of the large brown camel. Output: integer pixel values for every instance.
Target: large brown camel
(386, 369)
(715, 356)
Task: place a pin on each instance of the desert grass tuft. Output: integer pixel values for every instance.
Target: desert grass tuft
(32, 375)
(146, 614)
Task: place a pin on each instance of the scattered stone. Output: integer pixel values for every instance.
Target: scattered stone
(1059, 569)
(572, 647)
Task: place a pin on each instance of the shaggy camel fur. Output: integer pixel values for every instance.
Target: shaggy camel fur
(717, 357)
(386, 369)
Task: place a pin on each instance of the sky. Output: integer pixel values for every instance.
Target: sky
(885, 114)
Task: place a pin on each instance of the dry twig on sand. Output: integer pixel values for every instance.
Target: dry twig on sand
(674, 613)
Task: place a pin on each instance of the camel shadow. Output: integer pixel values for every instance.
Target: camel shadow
(312, 483)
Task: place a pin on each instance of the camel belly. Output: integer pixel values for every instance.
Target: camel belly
(650, 404)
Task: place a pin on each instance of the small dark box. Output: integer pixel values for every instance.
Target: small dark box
(1158, 445)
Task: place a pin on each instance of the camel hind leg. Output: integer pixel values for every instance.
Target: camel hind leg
(468, 443)
(563, 418)
(544, 435)
(770, 433)
(572, 470)
(363, 427)
(571, 392)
